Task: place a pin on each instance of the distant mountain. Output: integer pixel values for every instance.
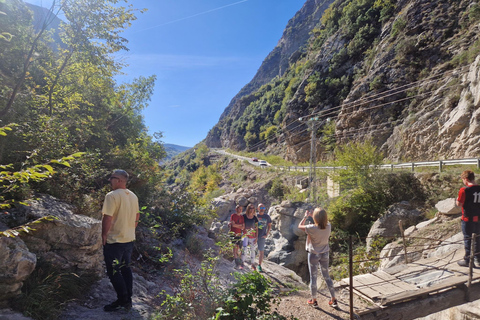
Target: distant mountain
(172, 150)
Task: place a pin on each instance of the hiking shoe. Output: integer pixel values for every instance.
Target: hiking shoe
(253, 267)
(463, 263)
(117, 305)
(259, 268)
(240, 267)
(333, 304)
(312, 302)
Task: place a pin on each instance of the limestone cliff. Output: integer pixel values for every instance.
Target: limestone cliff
(402, 73)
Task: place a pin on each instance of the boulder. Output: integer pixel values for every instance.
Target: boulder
(242, 201)
(288, 242)
(16, 264)
(387, 225)
(448, 207)
(225, 206)
(451, 244)
(69, 241)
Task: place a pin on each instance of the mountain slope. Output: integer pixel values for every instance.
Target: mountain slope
(402, 73)
(172, 150)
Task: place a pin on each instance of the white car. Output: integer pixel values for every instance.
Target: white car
(263, 163)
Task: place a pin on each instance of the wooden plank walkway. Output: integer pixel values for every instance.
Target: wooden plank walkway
(417, 280)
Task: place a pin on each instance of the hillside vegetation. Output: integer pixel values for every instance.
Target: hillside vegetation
(401, 72)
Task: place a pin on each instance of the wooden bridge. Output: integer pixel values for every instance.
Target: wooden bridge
(417, 289)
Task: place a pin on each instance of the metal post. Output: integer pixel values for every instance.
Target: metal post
(470, 266)
(313, 160)
(392, 166)
(413, 166)
(440, 165)
(350, 274)
(400, 225)
(478, 163)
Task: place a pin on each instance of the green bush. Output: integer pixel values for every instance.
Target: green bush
(278, 189)
(48, 289)
(250, 298)
(357, 209)
(197, 295)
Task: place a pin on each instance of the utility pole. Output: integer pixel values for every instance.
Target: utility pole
(312, 125)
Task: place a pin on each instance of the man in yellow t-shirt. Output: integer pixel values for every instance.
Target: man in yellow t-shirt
(120, 218)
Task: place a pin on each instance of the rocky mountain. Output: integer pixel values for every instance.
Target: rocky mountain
(401, 73)
(172, 150)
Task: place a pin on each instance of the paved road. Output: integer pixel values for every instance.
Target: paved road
(223, 152)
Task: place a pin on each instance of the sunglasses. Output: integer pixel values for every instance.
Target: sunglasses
(262, 208)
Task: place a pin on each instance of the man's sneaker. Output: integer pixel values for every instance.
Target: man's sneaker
(253, 267)
(117, 305)
(238, 261)
(463, 263)
(312, 302)
(333, 304)
(259, 268)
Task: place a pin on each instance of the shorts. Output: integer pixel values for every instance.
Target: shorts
(236, 239)
(261, 244)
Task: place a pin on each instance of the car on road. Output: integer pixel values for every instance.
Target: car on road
(263, 163)
(255, 159)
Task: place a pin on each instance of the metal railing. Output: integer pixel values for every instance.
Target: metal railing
(405, 165)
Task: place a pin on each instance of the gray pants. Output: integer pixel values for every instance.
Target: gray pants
(313, 261)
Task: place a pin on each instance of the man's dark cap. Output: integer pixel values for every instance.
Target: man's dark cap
(121, 173)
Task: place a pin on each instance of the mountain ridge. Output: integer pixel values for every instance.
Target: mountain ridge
(374, 68)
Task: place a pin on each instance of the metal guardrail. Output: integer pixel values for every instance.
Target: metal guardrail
(411, 165)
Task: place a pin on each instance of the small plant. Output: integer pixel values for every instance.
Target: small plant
(398, 26)
(250, 298)
(278, 189)
(197, 295)
(47, 289)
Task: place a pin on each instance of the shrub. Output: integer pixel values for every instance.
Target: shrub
(197, 295)
(278, 189)
(250, 298)
(47, 289)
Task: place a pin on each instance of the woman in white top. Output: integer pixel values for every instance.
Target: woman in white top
(318, 250)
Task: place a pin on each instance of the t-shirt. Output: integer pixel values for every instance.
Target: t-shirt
(470, 197)
(263, 221)
(237, 219)
(250, 226)
(122, 205)
(318, 238)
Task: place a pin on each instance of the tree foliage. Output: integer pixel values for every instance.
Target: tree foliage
(58, 86)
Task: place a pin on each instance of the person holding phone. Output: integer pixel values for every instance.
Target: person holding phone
(318, 251)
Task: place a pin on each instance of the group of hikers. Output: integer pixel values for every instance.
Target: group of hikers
(247, 230)
(121, 215)
(253, 227)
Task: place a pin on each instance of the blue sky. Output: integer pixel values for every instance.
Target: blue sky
(202, 52)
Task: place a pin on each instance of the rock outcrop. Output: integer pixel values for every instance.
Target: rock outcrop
(448, 206)
(16, 264)
(68, 241)
(388, 224)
